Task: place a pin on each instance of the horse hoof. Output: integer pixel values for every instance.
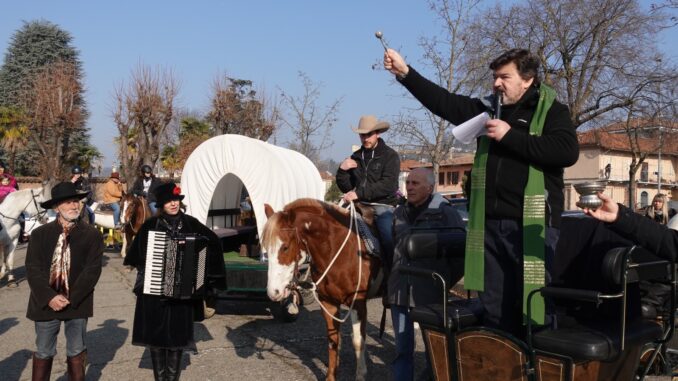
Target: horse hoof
(12, 284)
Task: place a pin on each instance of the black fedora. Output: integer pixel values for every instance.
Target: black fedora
(61, 192)
(167, 192)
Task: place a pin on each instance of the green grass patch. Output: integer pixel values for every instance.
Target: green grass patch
(234, 257)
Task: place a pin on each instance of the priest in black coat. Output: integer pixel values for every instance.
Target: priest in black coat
(165, 325)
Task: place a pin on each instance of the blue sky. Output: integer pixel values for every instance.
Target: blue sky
(267, 42)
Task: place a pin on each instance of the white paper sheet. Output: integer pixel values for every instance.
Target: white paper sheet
(468, 131)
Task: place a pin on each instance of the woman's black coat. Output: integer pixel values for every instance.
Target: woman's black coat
(163, 322)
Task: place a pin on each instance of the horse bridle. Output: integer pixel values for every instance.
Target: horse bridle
(37, 207)
(353, 224)
(296, 282)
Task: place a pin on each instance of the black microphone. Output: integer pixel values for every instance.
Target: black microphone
(497, 104)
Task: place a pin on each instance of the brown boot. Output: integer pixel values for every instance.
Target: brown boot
(76, 366)
(41, 368)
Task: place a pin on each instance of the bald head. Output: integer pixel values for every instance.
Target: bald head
(419, 185)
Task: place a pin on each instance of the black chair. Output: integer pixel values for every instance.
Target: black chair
(605, 341)
(579, 348)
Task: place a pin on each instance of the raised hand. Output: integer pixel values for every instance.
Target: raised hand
(395, 63)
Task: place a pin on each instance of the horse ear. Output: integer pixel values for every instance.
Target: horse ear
(268, 210)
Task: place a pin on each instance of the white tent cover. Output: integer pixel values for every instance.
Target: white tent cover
(216, 171)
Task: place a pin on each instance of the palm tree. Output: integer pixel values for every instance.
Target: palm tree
(14, 132)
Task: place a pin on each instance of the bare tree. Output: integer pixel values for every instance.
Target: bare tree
(238, 109)
(54, 109)
(143, 109)
(597, 54)
(649, 126)
(454, 69)
(309, 122)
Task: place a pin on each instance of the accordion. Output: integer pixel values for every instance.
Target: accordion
(175, 265)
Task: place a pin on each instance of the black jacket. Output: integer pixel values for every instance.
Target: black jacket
(163, 322)
(138, 188)
(87, 247)
(647, 233)
(83, 185)
(376, 177)
(410, 291)
(508, 160)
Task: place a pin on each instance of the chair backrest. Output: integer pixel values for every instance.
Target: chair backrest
(642, 265)
(442, 242)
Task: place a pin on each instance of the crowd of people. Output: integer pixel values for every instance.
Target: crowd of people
(516, 181)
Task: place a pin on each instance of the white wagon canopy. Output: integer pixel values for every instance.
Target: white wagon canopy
(217, 172)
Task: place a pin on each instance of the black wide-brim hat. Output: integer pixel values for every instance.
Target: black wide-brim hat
(61, 192)
(167, 192)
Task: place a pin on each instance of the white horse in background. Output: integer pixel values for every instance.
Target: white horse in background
(24, 201)
(102, 219)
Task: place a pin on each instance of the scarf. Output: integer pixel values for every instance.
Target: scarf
(61, 264)
(534, 219)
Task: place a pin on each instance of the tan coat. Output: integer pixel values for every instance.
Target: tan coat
(112, 192)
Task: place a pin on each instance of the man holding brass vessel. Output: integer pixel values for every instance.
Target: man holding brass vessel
(516, 196)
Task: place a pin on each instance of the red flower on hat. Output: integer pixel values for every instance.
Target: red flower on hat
(176, 191)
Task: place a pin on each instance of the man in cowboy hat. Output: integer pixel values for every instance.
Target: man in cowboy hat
(370, 176)
(63, 264)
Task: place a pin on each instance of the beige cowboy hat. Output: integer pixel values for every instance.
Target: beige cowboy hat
(369, 123)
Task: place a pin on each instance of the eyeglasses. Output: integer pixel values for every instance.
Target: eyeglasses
(367, 135)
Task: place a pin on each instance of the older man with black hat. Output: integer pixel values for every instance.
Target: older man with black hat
(370, 176)
(63, 264)
(163, 324)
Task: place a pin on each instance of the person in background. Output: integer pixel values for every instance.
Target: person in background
(423, 209)
(5, 187)
(82, 185)
(145, 186)
(4, 172)
(63, 265)
(165, 325)
(659, 209)
(113, 195)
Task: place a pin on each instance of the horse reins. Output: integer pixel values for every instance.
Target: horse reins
(37, 207)
(353, 217)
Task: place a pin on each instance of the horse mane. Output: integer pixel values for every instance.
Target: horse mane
(16, 194)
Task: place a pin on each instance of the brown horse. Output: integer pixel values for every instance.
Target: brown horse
(134, 211)
(339, 270)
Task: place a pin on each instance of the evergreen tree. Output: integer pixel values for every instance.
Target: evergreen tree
(35, 47)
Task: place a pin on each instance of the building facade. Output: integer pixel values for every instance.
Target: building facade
(606, 154)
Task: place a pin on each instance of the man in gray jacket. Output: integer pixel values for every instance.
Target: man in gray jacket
(63, 264)
(424, 209)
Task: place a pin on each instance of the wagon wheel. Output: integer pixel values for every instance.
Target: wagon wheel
(658, 365)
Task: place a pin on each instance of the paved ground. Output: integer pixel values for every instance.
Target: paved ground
(242, 341)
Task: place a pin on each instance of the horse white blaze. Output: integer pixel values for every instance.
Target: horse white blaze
(123, 212)
(358, 347)
(279, 276)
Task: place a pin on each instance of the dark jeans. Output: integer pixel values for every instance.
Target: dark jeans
(503, 295)
(383, 216)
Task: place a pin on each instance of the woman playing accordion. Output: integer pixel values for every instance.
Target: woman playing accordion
(164, 321)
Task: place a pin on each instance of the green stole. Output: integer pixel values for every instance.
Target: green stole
(534, 219)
